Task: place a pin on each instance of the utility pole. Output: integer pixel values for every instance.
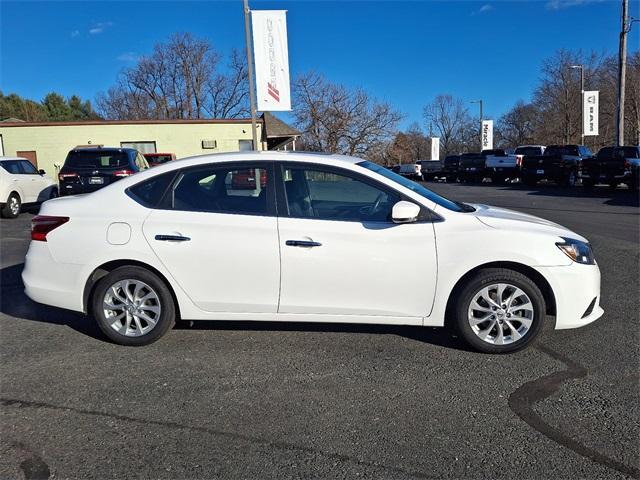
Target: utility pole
(252, 93)
(581, 67)
(622, 72)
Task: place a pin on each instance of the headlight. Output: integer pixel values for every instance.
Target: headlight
(577, 251)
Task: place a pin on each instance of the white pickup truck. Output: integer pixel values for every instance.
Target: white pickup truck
(502, 167)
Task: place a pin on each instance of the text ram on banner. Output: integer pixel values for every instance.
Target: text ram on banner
(590, 112)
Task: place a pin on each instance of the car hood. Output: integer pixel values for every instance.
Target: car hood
(502, 218)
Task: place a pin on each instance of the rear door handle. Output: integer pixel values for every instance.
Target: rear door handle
(302, 243)
(172, 238)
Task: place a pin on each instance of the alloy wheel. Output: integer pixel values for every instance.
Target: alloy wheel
(14, 205)
(131, 307)
(500, 314)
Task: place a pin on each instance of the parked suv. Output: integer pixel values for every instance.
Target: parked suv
(88, 169)
(22, 184)
(450, 168)
(612, 165)
(559, 163)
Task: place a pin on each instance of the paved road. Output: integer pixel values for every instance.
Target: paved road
(224, 400)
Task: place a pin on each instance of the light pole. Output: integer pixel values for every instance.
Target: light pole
(480, 102)
(581, 67)
(252, 94)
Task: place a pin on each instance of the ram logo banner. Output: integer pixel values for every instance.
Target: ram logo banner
(590, 112)
(271, 57)
(487, 135)
(435, 148)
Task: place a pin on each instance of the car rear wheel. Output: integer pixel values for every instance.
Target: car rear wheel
(133, 306)
(12, 207)
(499, 311)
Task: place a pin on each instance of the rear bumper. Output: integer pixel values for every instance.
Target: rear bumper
(577, 294)
(49, 282)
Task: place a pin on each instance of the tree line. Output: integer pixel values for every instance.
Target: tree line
(53, 108)
(185, 77)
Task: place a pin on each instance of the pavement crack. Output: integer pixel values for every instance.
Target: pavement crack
(285, 446)
(523, 399)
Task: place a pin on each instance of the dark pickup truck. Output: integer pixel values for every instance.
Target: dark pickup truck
(450, 167)
(472, 167)
(559, 163)
(612, 165)
(430, 169)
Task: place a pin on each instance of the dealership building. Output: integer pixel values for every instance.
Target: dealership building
(46, 144)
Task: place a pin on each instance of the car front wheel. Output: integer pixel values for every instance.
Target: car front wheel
(133, 306)
(499, 311)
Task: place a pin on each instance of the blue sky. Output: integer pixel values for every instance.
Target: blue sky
(402, 52)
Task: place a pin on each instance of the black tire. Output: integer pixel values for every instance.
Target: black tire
(485, 278)
(13, 206)
(530, 181)
(588, 183)
(164, 321)
(498, 179)
(570, 179)
(613, 185)
(53, 193)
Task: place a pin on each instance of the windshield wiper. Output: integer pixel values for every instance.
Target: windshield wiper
(464, 206)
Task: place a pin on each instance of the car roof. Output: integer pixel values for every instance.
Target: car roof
(12, 158)
(310, 157)
(103, 149)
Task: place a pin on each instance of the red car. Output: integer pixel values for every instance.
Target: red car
(246, 179)
(156, 159)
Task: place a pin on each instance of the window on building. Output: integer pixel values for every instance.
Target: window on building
(245, 145)
(142, 146)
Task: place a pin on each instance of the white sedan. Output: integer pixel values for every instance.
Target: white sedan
(305, 238)
(22, 184)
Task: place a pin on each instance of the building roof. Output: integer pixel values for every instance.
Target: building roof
(274, 127)
(13, 122)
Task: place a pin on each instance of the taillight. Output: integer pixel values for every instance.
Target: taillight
(123, 173)
(43, 224)
(64, 176)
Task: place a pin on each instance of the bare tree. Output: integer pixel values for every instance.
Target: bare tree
(339, 120)
(457, 130)
(517, 126)
(179, 80)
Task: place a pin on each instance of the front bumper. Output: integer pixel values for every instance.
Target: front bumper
(576, 289)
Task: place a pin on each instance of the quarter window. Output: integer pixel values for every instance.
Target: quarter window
(326, 195)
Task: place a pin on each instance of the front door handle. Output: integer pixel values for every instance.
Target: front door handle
(302, 243)
(172, 238)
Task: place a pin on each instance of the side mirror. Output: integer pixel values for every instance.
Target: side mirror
(405, 212)
(42, 172)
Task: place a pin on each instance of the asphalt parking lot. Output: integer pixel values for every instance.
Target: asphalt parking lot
(255, 400)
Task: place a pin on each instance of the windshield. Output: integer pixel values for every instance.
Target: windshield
(96, 159)
(416, 187)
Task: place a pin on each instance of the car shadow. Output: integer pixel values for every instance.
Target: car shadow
(15, 303)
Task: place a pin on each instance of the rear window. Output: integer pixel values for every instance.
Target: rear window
(606, 152)
(96, 159)
(561, 150)
(528, 151)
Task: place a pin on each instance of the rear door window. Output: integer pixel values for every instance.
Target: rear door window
(11, 166)
(244, 190)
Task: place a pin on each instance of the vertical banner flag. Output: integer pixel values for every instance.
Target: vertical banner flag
(487, 135)
(435, 148)
(590, 112)
(271, 57)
